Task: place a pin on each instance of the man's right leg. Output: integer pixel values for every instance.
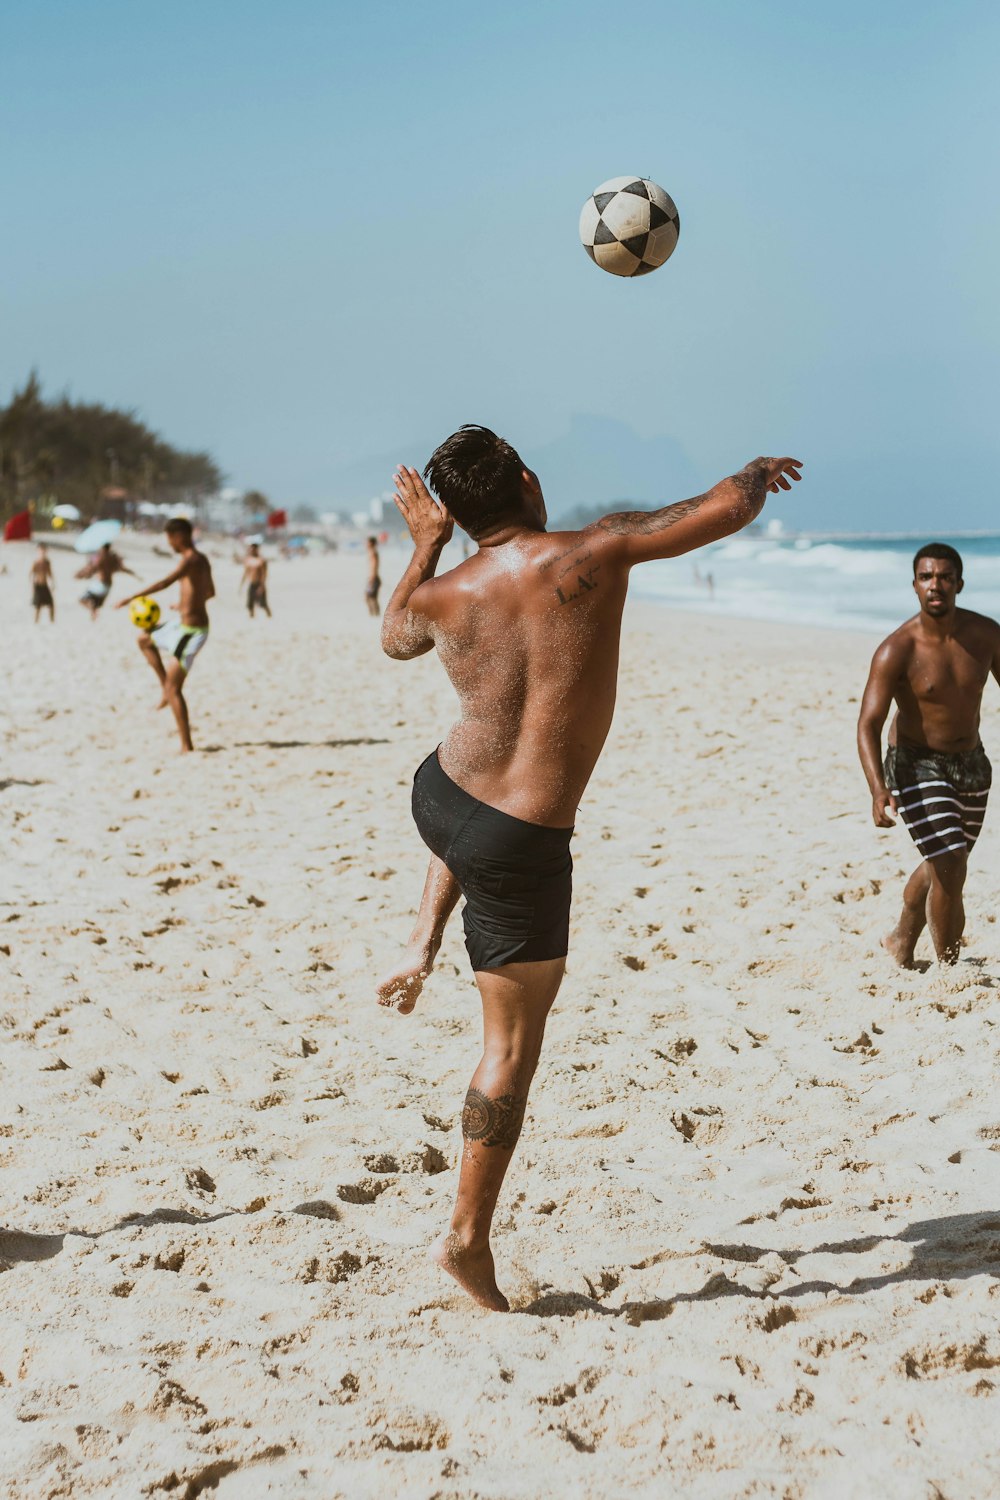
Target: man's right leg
(400, 988)
(173, 694)
(945, 907)
(902, 940)
(516, 1003)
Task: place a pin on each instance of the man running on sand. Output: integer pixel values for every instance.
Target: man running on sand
(100, 569)
(255, 578)
(181, 639)
(528, 630)
(936, 774)
(42, 584)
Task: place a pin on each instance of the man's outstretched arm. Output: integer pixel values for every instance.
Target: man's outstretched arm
(875, 705)
(155, 588)
(643, 535)
(406, 629)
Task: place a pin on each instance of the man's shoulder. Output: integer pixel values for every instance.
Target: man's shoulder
(983, 625)
(898, 645)
(560, 546)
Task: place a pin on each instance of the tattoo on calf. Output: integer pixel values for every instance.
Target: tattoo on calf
(493, 1122)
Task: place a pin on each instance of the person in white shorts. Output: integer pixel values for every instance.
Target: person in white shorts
(179, 640)
(99, 570)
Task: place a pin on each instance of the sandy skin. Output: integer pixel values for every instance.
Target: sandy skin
(400, 989)
(471, 1268)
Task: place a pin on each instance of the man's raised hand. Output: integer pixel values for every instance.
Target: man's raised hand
(429, 523)
(775, 471)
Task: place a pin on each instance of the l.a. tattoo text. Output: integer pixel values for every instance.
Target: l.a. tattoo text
(493, 1122)
(586, 582)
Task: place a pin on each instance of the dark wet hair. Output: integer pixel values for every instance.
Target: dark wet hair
(941, 552)
(477, 475)
(179, 526)
(373, 541)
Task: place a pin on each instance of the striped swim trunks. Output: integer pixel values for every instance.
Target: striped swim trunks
(941, 796)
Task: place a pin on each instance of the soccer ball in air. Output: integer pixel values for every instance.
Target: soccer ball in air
(629, 226)
(144, 612)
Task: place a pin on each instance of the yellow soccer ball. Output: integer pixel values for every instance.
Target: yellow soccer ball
(144, 613)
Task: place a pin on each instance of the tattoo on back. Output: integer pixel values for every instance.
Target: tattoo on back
(585, 583)
(493, 1122)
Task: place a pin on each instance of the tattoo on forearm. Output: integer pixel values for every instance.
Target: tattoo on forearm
(646, 522)
(751, 482)
(493, 1122)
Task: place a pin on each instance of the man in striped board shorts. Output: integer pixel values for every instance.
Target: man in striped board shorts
(936, 774)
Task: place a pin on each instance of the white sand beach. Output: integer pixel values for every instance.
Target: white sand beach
(752, 1235)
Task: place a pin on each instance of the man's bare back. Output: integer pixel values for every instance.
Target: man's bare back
(528, 630)
(519, 629)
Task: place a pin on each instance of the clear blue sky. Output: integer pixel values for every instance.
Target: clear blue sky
(302, 234)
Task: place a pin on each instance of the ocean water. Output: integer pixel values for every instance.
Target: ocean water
(857, 583)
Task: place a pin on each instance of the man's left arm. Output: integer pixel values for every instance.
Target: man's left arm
(406, 628)
(995, 663)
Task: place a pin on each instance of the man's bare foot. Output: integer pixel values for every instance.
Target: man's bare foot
(400, 988)
(894, 946)
(472, 1269)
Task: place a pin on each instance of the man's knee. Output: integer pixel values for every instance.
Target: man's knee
(949, 870)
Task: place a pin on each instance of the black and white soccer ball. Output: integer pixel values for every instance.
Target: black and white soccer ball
(629, 226)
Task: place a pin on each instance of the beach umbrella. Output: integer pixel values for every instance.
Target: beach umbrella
(18, 528)
(96, 535)
(67, 513)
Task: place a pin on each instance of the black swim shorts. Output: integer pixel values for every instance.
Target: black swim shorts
(516, 877)
(941, 795)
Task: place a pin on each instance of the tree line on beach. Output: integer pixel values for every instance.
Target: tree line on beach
(84, 453)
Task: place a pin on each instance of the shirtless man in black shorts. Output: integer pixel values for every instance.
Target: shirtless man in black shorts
(936, 774)
(255, 578)
(528, 631)
(42, 583)
(373, 582)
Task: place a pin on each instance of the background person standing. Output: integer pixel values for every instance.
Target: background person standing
(936, 774)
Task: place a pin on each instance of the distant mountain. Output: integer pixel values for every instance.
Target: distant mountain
(601, 462)
(598, 461)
